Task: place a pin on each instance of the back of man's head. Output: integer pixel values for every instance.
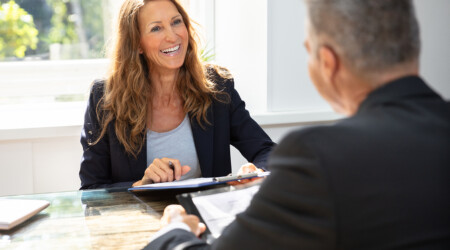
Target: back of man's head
(371, 35)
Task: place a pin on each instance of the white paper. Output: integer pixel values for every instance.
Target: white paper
(14, 212)
(219, 210)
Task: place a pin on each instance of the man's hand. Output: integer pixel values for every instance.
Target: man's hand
(176, 213)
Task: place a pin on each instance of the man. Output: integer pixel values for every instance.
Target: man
(379, 179)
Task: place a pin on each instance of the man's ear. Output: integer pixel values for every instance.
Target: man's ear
(329, 63)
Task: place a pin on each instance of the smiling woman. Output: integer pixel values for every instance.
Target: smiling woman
(160, 104)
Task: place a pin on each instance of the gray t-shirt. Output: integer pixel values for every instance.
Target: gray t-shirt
(177, 144)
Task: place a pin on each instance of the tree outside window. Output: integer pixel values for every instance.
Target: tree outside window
(17, 31)
(51, 29)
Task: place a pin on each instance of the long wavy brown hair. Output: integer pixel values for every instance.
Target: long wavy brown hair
(128, 88)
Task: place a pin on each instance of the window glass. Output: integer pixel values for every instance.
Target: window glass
(51, 29)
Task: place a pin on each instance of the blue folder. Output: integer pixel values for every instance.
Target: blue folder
(197, 182)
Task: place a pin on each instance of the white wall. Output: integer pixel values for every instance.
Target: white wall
(266, 55)
(39, 165)
(434, 20)
(241, 46)
(289, 86)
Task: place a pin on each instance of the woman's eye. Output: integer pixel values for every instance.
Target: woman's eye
(177, 21)
(156, 28)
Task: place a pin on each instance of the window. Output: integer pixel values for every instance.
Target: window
(37, 37)
(51, 29)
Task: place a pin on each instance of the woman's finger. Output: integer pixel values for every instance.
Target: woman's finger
(156, 174)
(166, 171)
(247, 168)
(175, 166)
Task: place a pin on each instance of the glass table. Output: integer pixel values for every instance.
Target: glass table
(103, 218)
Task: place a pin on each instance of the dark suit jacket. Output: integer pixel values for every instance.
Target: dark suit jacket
(377, 180)
(106, 163)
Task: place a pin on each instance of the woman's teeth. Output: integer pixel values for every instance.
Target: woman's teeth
(169, 50)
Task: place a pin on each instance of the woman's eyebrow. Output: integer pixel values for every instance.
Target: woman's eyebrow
(179, 15)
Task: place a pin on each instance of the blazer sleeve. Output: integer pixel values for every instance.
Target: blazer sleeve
(245, 134)
(292, 210)
(95, 167)
(177, 239)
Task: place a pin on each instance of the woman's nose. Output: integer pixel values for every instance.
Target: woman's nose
(171, 36)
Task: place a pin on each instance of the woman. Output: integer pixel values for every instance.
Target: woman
(161, 115)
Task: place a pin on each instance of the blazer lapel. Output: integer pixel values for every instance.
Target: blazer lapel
(138, 166)
(204, 141)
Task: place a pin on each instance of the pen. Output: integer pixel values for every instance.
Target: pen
(171, 166)
(234, 177)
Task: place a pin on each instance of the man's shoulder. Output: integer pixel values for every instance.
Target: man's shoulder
(326, 137)
(344, 126)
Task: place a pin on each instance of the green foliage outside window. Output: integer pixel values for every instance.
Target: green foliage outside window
(17, 31)
(74, 27)
(63, 27)
(207, 55)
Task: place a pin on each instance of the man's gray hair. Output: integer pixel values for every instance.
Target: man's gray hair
(372, 35)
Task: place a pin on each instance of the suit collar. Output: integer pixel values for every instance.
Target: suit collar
(402, 88)
(139, 164)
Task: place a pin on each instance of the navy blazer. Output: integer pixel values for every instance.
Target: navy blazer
(377, 180)
(106, 164)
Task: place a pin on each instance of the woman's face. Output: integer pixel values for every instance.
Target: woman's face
(164, 37)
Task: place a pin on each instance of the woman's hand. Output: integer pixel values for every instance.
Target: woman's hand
(176, 213)
(245, 169)
(163, 170)
(249, 168)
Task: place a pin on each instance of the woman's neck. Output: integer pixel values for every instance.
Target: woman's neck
(163, 85)
(165, 104)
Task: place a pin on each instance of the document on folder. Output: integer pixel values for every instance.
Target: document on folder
(197, 182)
(217, 208)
